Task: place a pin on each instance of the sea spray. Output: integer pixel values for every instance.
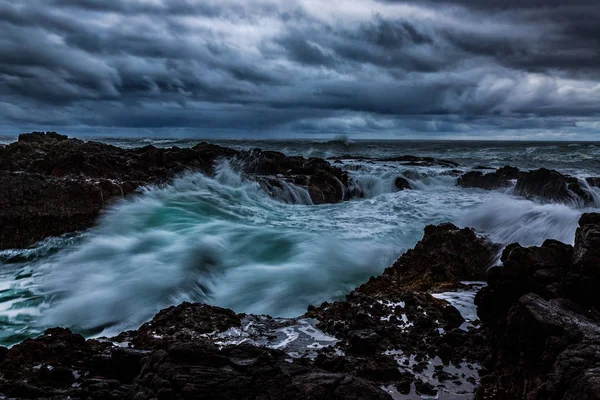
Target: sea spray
(509, 219)
(217, 240)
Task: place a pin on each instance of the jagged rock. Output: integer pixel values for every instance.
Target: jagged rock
(34, 206)
(501, 178)
(192, 370)
(391, 312)
(542, 308)
(401, 183)
(55, 185)
(593, 181)
(551, 185)
(543, 183)
(185, 322)
(413, 175)
(445, 256)
(586, 258)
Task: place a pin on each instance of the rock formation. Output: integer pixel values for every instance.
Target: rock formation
(55, 185)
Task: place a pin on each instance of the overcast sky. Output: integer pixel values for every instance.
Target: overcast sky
(518, 69)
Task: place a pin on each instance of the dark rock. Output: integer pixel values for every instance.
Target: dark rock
(401, 183)
(55, 185)
(586, 257)
(593, 181)
(389, 312)
(191, 370)
(501, 178)
(185, 322)
(41, 137)
(551, 185)
(413, 175)
(445, 256)
(542, 308)
(425, 388)
(58, 374)
(364, 340)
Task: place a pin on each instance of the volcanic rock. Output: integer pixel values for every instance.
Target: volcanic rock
(501, 178)
(542, 308)
(551, 185)
(55, 185)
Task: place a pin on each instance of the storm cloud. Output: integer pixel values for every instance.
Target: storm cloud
(444, 68)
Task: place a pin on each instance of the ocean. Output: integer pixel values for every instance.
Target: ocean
(222, 241)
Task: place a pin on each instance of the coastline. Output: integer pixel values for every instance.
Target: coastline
(387, 335)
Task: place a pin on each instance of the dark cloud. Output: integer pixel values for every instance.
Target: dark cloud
(453, 67)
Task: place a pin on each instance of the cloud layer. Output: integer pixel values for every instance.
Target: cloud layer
(445, 68)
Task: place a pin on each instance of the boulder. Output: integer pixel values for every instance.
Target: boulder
(401, 183)
(551, 185)
(444, 256)
(501, 178)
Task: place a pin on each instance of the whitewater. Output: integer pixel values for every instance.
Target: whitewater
(221, 240)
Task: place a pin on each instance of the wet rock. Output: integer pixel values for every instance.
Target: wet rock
(41, 137)
(445, 256)
(524, 270)
(192, 370)
(391, 315)
(593, 181)
(56, 185)
(185, 322)
(35, 367)
(413, 175)
(34, 206)
(425, 388)
(363, 340)
(541, 306)
(401, 183)
(501, 178)
(552, 186)
(586, 257)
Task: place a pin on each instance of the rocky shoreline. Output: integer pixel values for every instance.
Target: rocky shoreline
(392, 337)
(405, 334)
(55, 185)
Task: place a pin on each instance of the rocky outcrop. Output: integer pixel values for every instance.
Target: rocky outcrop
(593, 181)
(395, 314)
(445, 256)
(55, 185)
(62, 365)
(34, 206)
(502, 178)
(543, 310)
(544, 184)
(199, 371)
(551, 185)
